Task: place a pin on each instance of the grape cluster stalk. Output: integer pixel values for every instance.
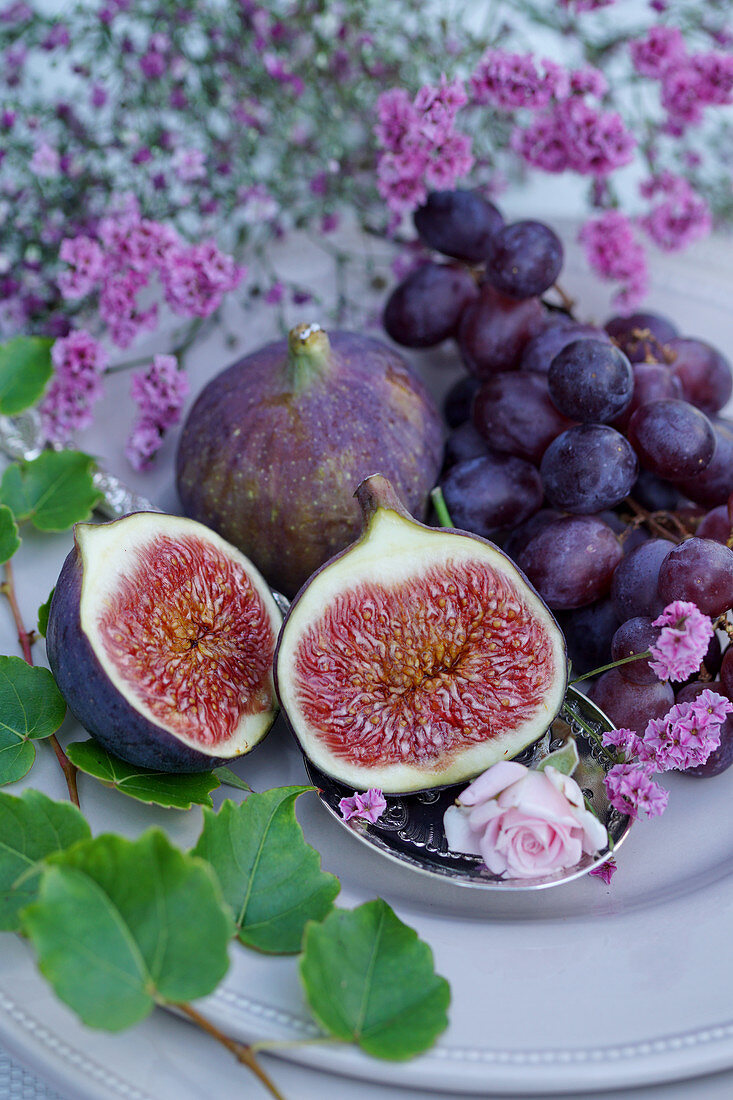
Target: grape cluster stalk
(597, 458)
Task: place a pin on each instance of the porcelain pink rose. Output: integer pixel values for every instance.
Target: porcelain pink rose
(523, 823)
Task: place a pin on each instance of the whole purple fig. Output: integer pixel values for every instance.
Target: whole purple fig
(275, 446)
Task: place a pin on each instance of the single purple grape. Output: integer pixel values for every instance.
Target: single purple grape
(703, 372)
(642, 336)
(463, 443)
(699, 570)
(588, 632)
(520, 535)
(494, 330)
(590, 381)
(635, 636)
(459, 399)
(588, 468)
(514, 414)
(715, 525)
(486, 494)
(524, 259)
(726, 672)
(634, 589)
(425, 308)
(715, 483)
(630, 706)
(571, 561)
(458, 223)
(673, 439)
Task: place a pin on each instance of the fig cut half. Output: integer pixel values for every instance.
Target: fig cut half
(161, 637)
(417, 657)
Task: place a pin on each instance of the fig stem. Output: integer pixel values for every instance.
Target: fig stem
(613, 664)
(309, 355)
(25, 638)
(377, 492)
(441, 508)
(241, 1051)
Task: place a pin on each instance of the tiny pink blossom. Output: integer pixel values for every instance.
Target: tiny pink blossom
(631, 790)
(605, 871)
(79, 362)
(682, 643)
(510, 80)
(626, 740)
(614, 253)
(368, 806)
(189, 165)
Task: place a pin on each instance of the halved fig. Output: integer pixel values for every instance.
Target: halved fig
(417, 657)
(161, 637)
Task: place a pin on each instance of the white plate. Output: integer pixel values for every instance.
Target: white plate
(576, 989)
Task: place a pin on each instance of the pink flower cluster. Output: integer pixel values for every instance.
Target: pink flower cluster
(126, 253)
(612, 250)
(680, 217)
(510, 80)
(367, 807)
(79, 362)
(683, 641)
(420, 146)
(683, 738)
(159, 393)
(689, 82)
(572, 135)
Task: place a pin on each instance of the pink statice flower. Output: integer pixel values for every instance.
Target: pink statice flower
(660, 48)
(573, 135)
(196, 278)
(366, 807)
(605, 871)
(79, 362)
(614, 253)
(159, 393)
(86, 260)
(588, 80)
(680, 218)
(687, 734)
(683, 641)
(420, 145)
(511, 80)
(625, 740)
(631, 790)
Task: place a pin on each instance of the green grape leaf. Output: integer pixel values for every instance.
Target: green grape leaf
(31, 705)
(25, 368)
(122, 925)
(43, 611)
(16, 757)
(370, 980)
(268, 873)
(9, 540)
(178, 792)
(228, 778)
(31, 828)
(53, 491)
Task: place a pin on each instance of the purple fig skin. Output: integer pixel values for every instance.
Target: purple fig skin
(92, 698)
(272, 463)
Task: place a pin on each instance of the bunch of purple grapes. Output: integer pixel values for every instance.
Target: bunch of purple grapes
(596, 457)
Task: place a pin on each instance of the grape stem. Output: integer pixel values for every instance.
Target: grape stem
(568, 303)
(241, 1051)
(651, 519)
(26, 639)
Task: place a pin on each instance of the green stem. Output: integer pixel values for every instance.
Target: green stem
(25, 639)
(441, 508)
(598, 740)
(265, 1045)
(613, 664)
